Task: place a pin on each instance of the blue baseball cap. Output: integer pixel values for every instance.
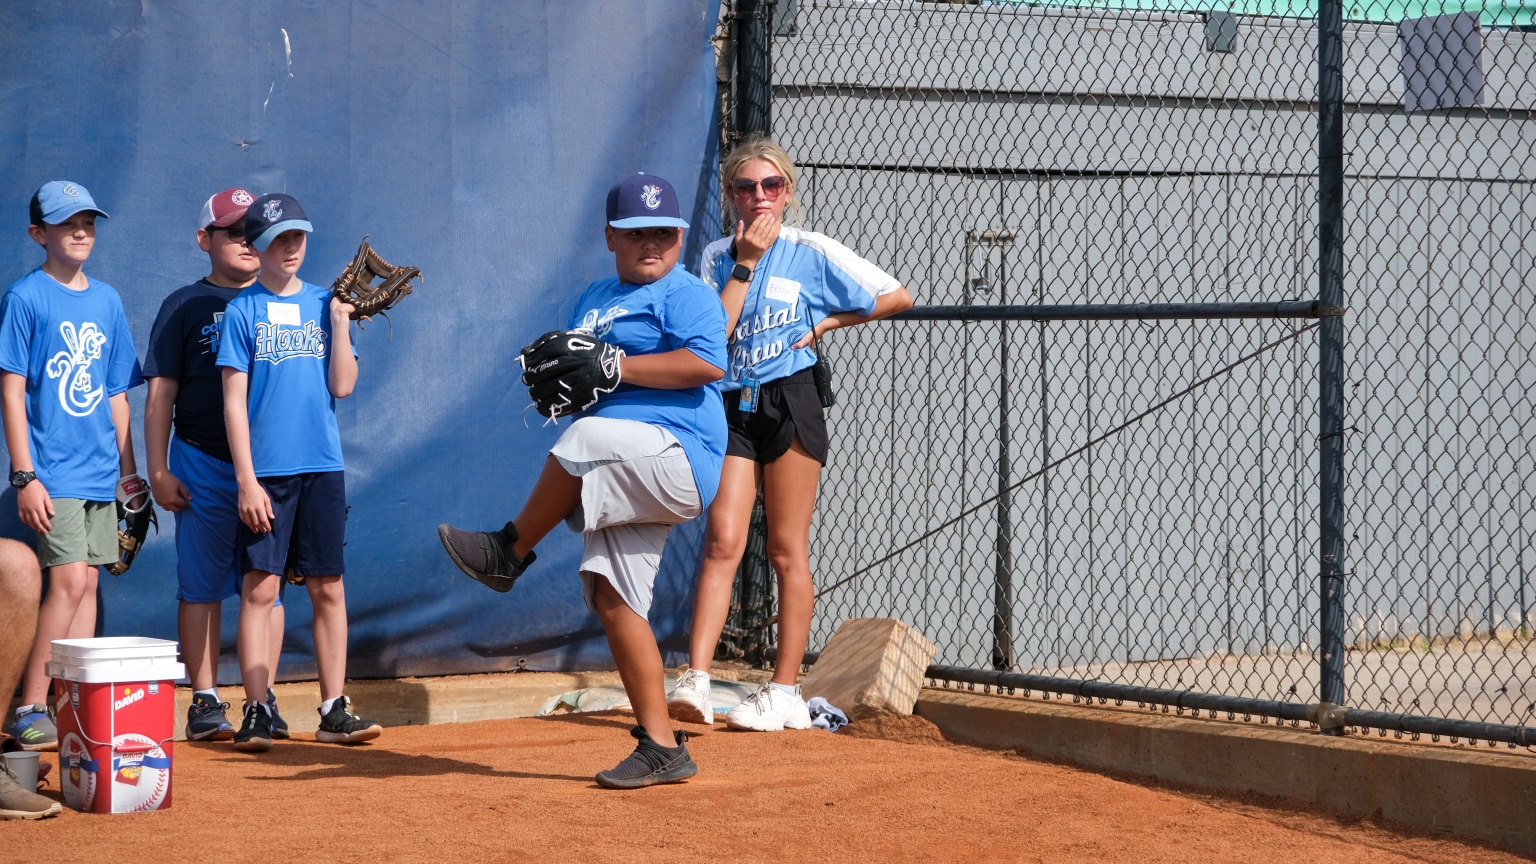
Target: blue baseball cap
(644, 201)
(271, 215)
(58, 200)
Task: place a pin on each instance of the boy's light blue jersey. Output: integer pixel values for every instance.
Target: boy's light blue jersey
(76, 352)
(803, 278)
(676, 311)
(284, 343)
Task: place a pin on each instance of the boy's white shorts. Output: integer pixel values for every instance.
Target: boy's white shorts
(636, 483)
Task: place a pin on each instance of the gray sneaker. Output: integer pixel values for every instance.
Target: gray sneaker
(650, 764)
(486, 556)
(19, 803)
(35, 730)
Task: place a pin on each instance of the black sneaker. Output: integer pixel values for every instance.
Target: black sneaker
(255, 733)
(279, 725)
(650, 764)
(341, 726)
(486, 556)
(206, 720)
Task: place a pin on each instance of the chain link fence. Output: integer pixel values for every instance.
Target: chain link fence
(1133, 501)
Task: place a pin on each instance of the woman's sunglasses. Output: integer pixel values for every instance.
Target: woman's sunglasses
(772, 186)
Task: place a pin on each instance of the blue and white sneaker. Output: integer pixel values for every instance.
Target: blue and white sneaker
(35, 729)
(206, 720)
(279, 725)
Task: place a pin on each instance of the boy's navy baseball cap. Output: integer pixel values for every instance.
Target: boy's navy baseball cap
(270, 216)
(644, 201)
(58, 200)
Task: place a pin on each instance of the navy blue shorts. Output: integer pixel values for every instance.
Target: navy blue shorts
(308, 529)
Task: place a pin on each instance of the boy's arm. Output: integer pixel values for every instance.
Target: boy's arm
(674, 370)
(125, 461)
(165, 486)
(254, 504)
(33, 504)
(342, 375)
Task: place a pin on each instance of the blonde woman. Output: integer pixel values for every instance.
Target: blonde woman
(783, 289)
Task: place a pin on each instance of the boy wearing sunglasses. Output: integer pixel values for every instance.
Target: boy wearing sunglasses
(191, 472)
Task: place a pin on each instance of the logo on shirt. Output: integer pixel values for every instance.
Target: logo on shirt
(275, 343)
(272, 210)
(78, 392)
(650, 196)
(601, 324)
(212, 332)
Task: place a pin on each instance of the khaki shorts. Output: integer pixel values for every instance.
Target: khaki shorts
(82, 531)
(636, 483)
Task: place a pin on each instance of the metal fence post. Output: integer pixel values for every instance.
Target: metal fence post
(1330, 133)
(752, 25)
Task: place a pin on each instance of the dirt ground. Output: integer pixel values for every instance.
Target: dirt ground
(522, 790)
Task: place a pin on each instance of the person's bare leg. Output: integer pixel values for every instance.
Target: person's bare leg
(197, 625)
(725, 540)
(275, 643)
(329, 597)
(21, 583)
(83, 626)
(789, 499)
(634, 650)
(554, 496)
(68, 587)
(254, 632)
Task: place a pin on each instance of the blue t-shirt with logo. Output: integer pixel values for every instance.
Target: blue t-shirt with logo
(676, 311)
(76, 352)
(802, 278)
(283, 343)
(183, 345)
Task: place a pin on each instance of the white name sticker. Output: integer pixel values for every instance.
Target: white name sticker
(283, 313)
(781, 289)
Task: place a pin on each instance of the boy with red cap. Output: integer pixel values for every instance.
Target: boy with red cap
(191, 472)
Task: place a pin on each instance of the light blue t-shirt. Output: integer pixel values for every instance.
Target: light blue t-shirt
(803, 278)
(284, 344)
(676, 311)
(76, 352)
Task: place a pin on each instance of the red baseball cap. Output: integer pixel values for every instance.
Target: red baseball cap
(225, 208)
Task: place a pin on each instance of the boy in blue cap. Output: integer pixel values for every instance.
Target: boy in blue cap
(191, 472)
(286, 357)
(645, 457)
(66, 364)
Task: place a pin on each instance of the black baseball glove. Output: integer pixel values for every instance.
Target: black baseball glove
(567, 370)
(135, 513)
(372, 285)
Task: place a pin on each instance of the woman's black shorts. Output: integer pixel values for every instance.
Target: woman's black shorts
(787, 408)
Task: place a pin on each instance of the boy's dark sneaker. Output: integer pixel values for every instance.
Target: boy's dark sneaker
(19, 803)
(35, 729)
(650, 764)
(255, 735)
(206, 720)
(486, 556)
(279, 725)
(341, 726)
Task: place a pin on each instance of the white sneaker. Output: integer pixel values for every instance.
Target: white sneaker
(689, 699)
(770, 709)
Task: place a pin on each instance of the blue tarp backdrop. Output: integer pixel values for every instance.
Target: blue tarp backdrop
(475, 140)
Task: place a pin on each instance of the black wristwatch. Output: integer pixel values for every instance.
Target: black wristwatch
(741, 273)
(20, 479)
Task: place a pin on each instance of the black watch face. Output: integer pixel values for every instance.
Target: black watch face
(742, 272)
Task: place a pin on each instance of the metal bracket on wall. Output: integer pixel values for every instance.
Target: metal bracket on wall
(1220, 32)
(974, 240)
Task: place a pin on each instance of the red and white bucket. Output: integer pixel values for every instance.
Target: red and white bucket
(116, 708)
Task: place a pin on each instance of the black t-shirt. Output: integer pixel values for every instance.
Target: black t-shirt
(184, 345)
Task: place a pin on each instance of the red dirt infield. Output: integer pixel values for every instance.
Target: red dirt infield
(522, 790)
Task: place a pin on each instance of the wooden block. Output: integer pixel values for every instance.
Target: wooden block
(871, 666)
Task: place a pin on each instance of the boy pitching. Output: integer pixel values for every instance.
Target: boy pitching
(645, 457)
(286, 357)
(66, 364)
(191, 473)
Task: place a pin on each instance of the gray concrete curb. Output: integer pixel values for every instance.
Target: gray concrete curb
(1482, 794)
